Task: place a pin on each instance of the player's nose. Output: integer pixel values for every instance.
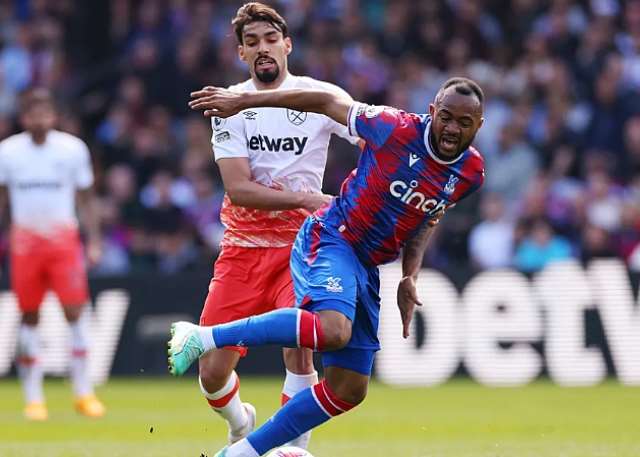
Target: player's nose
(452, 128)
(263, 48)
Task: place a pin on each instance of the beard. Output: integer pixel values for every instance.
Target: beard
(434, 141)
(268, 76)
(465, 146)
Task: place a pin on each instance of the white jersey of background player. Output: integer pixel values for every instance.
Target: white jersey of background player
(272, 162)
(43, 170)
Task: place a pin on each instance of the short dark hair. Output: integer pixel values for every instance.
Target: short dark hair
(35, 97)
(464, 86)
(257, 12)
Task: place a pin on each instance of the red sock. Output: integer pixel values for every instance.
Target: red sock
(310, 333)
(329, 401)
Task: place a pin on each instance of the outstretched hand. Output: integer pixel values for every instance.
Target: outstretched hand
(215, 101)
(435, 220)
(407, 301)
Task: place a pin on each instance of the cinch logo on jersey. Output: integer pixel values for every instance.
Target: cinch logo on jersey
(406, 193)
(264, 143)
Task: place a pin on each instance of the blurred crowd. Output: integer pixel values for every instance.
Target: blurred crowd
(561, 137)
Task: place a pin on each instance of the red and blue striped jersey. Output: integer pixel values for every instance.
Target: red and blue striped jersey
(399, 185)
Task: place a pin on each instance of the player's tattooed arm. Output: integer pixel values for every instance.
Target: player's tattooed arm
(412, 255)
(224, 103)
(413, 252)
(243, 191)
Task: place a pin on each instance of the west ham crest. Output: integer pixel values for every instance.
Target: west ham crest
(296, 117)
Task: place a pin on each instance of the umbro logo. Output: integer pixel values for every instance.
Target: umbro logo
(250, 115)
(413, 158)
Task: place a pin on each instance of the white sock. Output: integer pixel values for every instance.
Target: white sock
(241, 449)
(232, 411)
(206, 336)
(294, 383)
(79, 369)
(29, 365)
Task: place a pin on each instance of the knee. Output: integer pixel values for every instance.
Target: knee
(357, 394)
(336, 331)
(30, 318)
(72, 313)
(353, 393)
(213, 376)
(336, 337)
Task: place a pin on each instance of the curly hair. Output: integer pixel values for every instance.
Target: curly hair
(257, 12)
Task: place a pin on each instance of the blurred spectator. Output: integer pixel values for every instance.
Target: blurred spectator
(120, 186)
(564, 189)
(596, 243)
(511, 165)
(628, 43)
(115, 258)
(632, 148)
(204, 211)
(142, 254)
(7, 95)
(164, 191)
(602, 201)
(540, 247)
(491, 240)
(176, 249)
(613, 105)
(16, 59)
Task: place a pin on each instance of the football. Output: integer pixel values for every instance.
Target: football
(289, 451)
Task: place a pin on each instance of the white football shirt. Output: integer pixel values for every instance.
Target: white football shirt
(286, 149)
(42, 179)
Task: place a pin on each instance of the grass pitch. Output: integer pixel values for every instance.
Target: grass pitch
(168, 418)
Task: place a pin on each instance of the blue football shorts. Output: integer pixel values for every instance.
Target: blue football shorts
(327, 275)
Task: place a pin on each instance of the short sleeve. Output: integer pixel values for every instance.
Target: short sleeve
(228, 139)
(84, 170)
(374, 124)
(337, 128)
(343, 132)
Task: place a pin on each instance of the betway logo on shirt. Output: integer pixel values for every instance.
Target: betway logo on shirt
(28, 185)
(264, 143)
(407, 194)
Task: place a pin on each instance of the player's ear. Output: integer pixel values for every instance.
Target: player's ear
(288, 45)
(481, 122)
(432, 109)
(241, 55)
